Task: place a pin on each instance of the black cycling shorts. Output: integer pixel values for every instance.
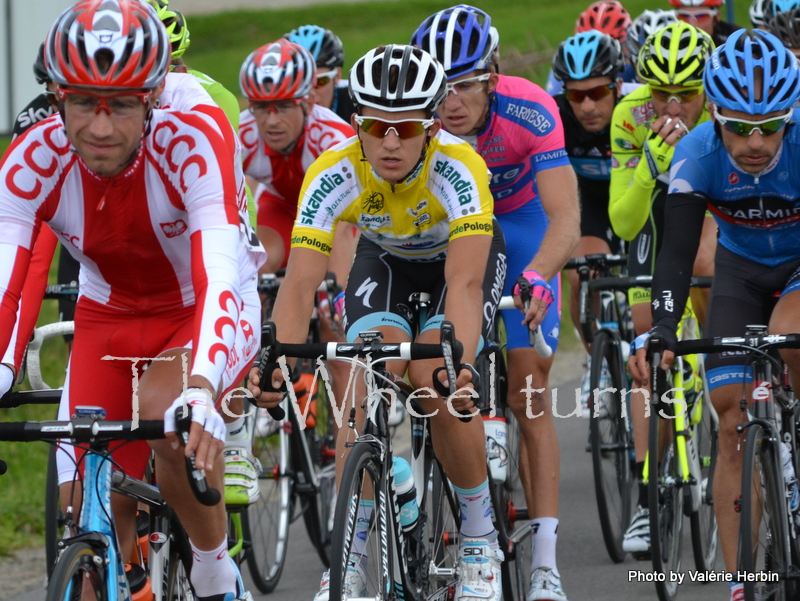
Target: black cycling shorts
(743, 293)
(380, 285)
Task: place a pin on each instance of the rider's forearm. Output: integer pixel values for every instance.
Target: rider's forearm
(464, 309)
(629, 199)
(559, 241)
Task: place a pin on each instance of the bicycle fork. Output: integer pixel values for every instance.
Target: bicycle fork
(688, 455)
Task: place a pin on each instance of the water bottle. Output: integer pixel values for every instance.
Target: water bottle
(496, 447)
(406, 494)
(789, 477)
(139, 583)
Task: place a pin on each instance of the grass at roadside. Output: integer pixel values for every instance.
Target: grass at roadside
(529, 33)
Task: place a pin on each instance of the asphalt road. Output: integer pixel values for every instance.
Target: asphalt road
(587, 572)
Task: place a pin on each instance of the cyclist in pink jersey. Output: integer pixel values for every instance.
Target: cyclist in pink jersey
(515, 126)
(283, 131)
(152, 205)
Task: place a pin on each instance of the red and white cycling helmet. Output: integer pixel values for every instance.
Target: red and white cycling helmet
(695, 3)
(281, 70)
(608, 16)
(118, 44)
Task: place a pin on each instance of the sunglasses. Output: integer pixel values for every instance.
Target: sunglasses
(467, 86)
(323, 79)
(122, 105)
(697, 16)
(405, 129)
(594, 94)
(281, 107)
(744, 128)
(681, 96)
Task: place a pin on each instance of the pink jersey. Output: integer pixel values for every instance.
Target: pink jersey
(168, 233)
(282, 175)
(523, 136)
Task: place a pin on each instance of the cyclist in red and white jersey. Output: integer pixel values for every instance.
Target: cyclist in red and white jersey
(152, 204)
(283, 131)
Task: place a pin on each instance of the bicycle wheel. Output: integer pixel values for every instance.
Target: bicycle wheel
(265, 524)
(179, 587)
(610, 442)
(376, 554)
(763, 527)
(665, 499)
(703, 522)
(441, 532)
(53, 516)
(79, 575)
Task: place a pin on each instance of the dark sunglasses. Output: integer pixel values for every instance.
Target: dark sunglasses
(405, 129)
(595, 94)
(323, 79)
(686, 95)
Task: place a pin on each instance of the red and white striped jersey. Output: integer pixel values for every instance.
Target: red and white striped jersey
(169, 232)
(282, 174)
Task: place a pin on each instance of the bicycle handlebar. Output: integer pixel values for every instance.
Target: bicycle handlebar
(597, 261)
(643, 281)
(535, 336)
(721, 344)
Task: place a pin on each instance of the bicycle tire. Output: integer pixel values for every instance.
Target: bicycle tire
(703, 522)
(665, 499)
(53, 515)
(78, 564)
(610, 443)
(763, 491)
(363, 476)
(265, 524)
(179, 587)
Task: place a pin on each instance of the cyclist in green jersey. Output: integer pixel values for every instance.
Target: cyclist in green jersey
(645, 127)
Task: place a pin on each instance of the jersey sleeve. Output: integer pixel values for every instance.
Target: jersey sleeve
(460, 180)
(631, 183)
(329, 187)
(547, 140)
(211, 202)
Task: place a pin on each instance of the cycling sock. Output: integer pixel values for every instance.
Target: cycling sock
(544, 532)
(476, 512)
(362, 526)
(737, 591)
(638, 469)
(236, 433)
(213, 572)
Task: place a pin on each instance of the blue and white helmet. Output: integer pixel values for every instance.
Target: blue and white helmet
(588, 54)
(730, 76)
(461, 38)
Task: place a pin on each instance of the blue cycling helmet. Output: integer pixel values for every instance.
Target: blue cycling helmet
(324, 45)
(461, 38)
(773, 7)
(730, 80)
(588, 54)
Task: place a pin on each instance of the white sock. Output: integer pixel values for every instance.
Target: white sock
(236, 433)
(213, 572)
(362, 527)
(737, 591)
(544, 532)
(476, 514)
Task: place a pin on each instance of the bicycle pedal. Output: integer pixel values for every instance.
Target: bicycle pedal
(642, 556)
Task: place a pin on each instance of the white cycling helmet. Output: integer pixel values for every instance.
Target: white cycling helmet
(398, 78)
(757, 12)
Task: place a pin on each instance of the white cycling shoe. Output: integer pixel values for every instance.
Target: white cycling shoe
(545, 586)
(479, 571)
(355, 581)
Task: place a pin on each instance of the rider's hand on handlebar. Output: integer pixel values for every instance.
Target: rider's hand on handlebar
(461, 401)
(541, 297)
(207, 434)
(265, 399)
(6, 378)
(638, 363)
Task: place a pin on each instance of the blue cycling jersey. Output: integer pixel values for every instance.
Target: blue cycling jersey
(757, 215)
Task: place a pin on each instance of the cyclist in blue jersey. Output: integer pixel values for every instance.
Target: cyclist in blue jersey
(514, 125)
(589, 64)
(742, 166)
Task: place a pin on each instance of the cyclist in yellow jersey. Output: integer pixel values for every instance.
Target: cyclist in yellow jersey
(645, 127)
(421, 199)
